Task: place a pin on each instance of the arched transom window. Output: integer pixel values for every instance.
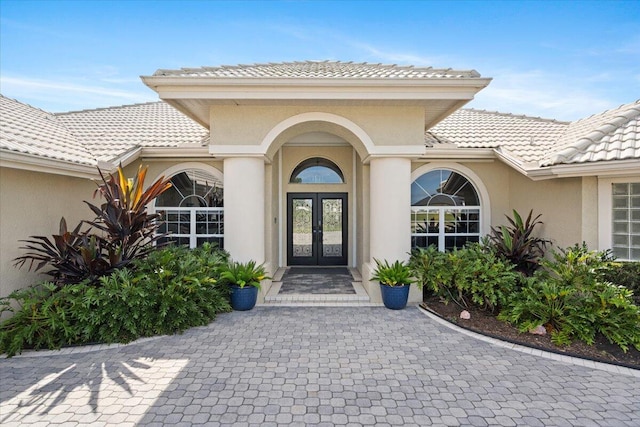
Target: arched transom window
(317, 171)
(192, 209)
(445, 210)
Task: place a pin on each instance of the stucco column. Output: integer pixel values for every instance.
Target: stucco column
(390, 221)
(244, 208)
(390, 203)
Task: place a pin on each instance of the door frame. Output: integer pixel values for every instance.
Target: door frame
(317, 258)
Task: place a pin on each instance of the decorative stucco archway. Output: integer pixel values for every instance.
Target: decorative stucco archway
(317, 121)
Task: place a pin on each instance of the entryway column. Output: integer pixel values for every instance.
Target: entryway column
(389, 212)
(390, 198)
(244, 208)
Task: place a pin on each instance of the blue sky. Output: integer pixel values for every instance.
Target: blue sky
(562, 60)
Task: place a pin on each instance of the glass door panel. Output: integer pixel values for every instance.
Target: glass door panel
(332, 228)
(302, 211)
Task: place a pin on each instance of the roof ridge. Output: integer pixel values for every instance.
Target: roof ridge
(114, 107)
(28, 105)
(520, 116)
(629, 106)
(627, 112)
(72, 138)
(193, 70)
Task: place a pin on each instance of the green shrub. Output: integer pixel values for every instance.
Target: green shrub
(570, 297)
(172, 290)
(625, 274)
(43, 318)
(468, 276)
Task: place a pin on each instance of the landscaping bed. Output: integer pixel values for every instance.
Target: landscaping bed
(485, 323)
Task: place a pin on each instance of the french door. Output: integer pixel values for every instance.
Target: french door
(316, 228)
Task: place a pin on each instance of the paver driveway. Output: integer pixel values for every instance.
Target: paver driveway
(313, 365)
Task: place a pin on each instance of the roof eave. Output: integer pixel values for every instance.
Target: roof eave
(156, 81)
(25, 161)
(458, 153)
(601, 168)
(320, 89)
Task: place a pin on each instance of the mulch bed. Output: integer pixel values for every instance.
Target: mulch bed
(487, 324)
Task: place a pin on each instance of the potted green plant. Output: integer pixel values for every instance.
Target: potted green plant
(244, 280)
(395, 280)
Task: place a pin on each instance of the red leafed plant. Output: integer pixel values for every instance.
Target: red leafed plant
(517, 243)
(127, 232)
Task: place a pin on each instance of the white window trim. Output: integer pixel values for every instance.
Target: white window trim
(193, 235)
(441, 235)
(175, 170)
(474, 179)
(605, 208)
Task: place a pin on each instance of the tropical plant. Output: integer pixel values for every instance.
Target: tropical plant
(471, 276)
(516, 242)
(625, 274)
(570, 298)
(243, 274)
(128, 232)
(73, 256)
(169, 291)
(396, 274)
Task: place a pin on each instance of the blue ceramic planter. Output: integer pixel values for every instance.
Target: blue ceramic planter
(243, 299)
(395, 297)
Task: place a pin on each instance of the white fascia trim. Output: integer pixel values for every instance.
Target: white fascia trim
(446, 153)
(124, 159)
(315, 89)
(178, 152)
(523, 168)
(601, 169)
(46, 165)
(155, 82)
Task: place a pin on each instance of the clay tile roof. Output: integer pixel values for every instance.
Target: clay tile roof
(612, 135)
(526, 138)
(28, 130)
(87, 136)
(319, 69)
(109, 132)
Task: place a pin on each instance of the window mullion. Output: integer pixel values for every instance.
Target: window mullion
(441, 245)
(193, 238)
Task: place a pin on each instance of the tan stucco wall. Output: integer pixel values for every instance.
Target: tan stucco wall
(558, 200)
(239, 125)
(31, 204)
(590, 211)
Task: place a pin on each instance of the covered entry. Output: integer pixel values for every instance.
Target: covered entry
(317, 229)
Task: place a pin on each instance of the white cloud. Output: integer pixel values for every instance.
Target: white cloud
(58, 96)
(538, 93)
(399, 57)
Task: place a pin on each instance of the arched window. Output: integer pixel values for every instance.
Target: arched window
(317, 171)
(192, 209)
(445, 210)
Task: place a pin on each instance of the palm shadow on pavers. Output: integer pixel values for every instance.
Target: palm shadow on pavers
(34, 388)
(315, 280)
(310, 365)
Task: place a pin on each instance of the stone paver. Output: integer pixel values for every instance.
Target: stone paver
(313, 366)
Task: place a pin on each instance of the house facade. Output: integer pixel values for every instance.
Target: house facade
(326, 163)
